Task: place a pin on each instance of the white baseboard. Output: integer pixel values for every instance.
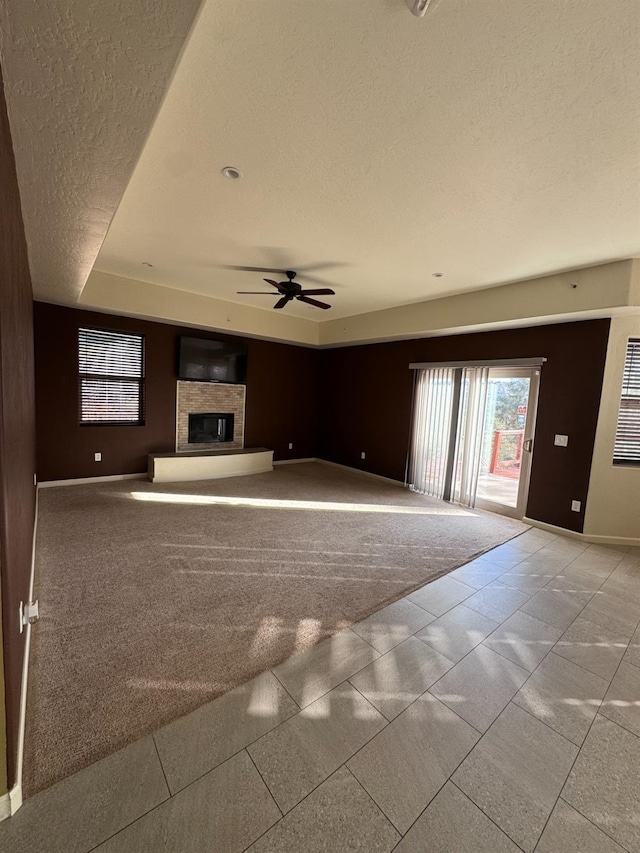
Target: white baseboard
(11, 802)
(83, 480)
(295, 461)
(5, 806)
(364, 473)
(591, 538)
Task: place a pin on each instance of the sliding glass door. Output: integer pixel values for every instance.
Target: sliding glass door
(507, 440)
(473, 435)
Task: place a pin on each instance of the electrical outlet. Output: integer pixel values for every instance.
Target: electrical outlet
(290, 445)
(97, 457)
(561, 440)
(363, 455)
(575, 506)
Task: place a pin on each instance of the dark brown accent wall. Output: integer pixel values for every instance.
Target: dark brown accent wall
(367, 393)
(17, 430)
(281, 405)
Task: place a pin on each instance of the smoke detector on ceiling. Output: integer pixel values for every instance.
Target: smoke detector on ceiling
(418, 7)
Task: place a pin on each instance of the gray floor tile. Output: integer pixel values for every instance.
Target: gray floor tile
(453, 824)
(195, 744)
(532, 540)
(564, 696)
(573, 579)
(623, 586)
(393, 624)
(632, 654)
(393, 681)
(338, 816)
(523, 639)
(569, 832)
(622, 702)
(301, 753)
(480, 686)
(313, 673)
(478, 573)
(81, 811)
(515, 774)
(497, 601)
(607, 552)
(566, 545)
(612, 612)
(441, 595)
(405, 765)
(553, 561)
(597, 564)
(504, 555)
(593, 647)
(457, 632)
(605, 780)
(556, 606)
(223, 811)
(527, 578)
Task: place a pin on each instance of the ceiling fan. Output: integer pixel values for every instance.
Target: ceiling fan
(292, 290)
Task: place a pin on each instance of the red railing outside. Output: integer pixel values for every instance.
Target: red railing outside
(506, 456)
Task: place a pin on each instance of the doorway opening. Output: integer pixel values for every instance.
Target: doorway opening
(473, 434)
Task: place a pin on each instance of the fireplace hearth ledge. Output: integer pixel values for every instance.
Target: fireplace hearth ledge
(209, 464)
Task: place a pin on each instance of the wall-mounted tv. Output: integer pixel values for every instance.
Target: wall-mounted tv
(204, 360)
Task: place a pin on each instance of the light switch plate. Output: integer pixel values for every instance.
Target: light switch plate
(363, 455)
(575, 506)
(561, 440)
(97, 457)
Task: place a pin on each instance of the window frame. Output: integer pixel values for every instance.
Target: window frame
(108, 378)
(633, 344)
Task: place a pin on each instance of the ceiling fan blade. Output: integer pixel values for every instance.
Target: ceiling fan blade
(248, 269)
(313, 302)
(256, 292)
(321, 291)
(282, 302)
(275, 284)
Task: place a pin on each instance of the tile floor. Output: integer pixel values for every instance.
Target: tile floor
(495, 709)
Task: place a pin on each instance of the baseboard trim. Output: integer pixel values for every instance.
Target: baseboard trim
(11, 802)
(591, 538)
(5, 806)
(46, 484)
(359, 471)
(294, 461)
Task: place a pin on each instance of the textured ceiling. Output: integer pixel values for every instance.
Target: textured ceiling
(491, 141)
(83, 81)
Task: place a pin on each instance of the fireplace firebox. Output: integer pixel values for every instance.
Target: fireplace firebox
(210, 427)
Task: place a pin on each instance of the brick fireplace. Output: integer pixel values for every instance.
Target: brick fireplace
(207, 397)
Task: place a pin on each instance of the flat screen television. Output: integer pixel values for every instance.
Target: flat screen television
(204, 360)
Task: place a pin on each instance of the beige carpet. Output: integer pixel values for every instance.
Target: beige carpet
(157, 598)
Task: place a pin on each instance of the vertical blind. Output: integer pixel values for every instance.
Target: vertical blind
(468, 453)
(627, 444)
(111, 376)
(431, 431)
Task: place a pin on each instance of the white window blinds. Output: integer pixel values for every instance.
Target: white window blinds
(111, 376)
(627, 444)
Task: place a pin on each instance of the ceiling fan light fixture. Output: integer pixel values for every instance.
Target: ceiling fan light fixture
(418, 7)
(232, 173)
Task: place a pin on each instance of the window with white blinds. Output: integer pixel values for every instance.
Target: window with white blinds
(111, 377)
(627, 446)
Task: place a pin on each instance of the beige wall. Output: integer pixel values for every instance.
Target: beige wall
(575, 295)
(613, 503)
